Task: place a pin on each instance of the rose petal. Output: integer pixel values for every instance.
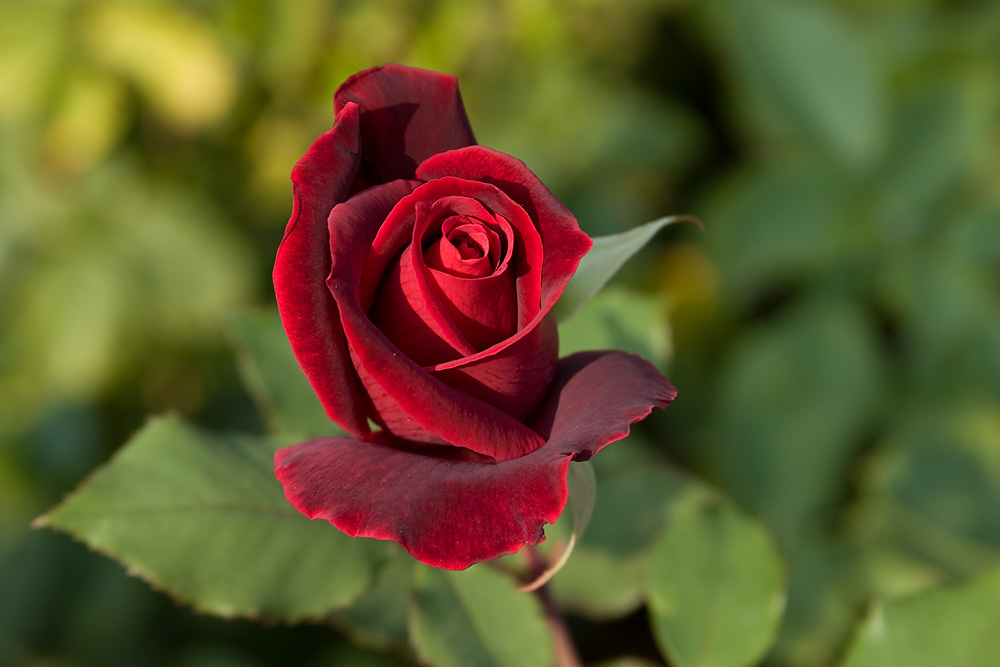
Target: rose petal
(596, 396)
(409, 393)
(452, 513)
(562, 239)
(469, 259)
(484, 310)
(512, 377)
(527, 255)
(407, 115)
(321, 179)
(422, 330)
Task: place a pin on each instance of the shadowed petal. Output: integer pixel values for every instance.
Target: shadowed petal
(452, 513)
(321, 179)
(595, 397)
(407, 115)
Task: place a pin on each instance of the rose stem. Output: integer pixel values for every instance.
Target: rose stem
(566, 655)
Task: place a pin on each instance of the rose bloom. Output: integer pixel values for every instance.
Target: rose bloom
(415, 282)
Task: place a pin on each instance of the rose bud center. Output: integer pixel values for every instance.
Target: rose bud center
(468, 248)
(452, 292)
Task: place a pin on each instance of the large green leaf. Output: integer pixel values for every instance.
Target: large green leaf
(202, 517)
(945, 627)
(477, 617)
(716, 587)
(275, 380)
(607, 255)
(932, 491)
(378, 620)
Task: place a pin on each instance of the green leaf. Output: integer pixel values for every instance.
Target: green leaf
(378, 620)
(945, 627)
(202, 517)
(935, 133)
(274, 380)
(716, 587)
(809, 64)
(607, 255)
(477, 617)
(606, 577)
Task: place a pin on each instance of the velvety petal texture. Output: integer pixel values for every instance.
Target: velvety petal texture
(415, 282)
(452, 513)
(408, 400)
(320, 180)
(407, 115)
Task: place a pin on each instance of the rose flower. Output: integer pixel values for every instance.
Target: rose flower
(415, 282)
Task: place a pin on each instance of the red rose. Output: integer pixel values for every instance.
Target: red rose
(415, 283)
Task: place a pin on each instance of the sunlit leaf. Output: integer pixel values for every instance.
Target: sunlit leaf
(202, 517)
(174, 58)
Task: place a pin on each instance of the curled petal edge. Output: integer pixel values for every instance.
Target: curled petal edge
(321, 179)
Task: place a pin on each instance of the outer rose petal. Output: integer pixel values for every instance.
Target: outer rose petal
(451, 513)
(321, 179)
(562, 239)
(407, 115)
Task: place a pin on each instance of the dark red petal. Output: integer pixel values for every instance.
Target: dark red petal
(446, 513)
(451, 513)
(596, 396)
(466, 256)
(320, 180)
(513, 376)
(419, 326)
(562, 239)
(484, 309)
(411, 393)
(407, 115)
(527, 253)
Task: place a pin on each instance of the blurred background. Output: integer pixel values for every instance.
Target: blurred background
(835, 329)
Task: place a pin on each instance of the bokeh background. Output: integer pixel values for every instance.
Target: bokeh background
(835, 329)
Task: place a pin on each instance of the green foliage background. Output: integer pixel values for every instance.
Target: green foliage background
(834, 331)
